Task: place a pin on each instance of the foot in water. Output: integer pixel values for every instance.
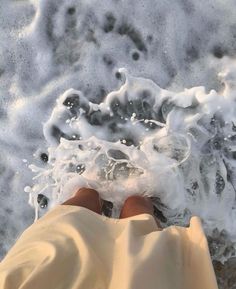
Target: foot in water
(136, 205)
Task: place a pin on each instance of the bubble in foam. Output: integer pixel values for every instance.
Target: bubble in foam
(173, 146)
(44, 157)
(145, 140)
(42, 201)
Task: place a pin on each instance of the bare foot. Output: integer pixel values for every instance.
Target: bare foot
(87, 198)
(136, 205)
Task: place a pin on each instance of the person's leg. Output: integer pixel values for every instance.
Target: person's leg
(136, 205)
(87, 198)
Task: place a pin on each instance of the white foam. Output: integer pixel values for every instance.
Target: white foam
(182, 146)
(47, 47)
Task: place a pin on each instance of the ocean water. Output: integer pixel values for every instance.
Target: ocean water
(127, 97)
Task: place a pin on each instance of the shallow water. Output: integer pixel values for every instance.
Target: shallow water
(119, 95)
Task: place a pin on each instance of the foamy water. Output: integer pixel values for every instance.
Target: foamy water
(125, 97)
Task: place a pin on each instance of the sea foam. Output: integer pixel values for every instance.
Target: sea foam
(146, 132)
(178, 147)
